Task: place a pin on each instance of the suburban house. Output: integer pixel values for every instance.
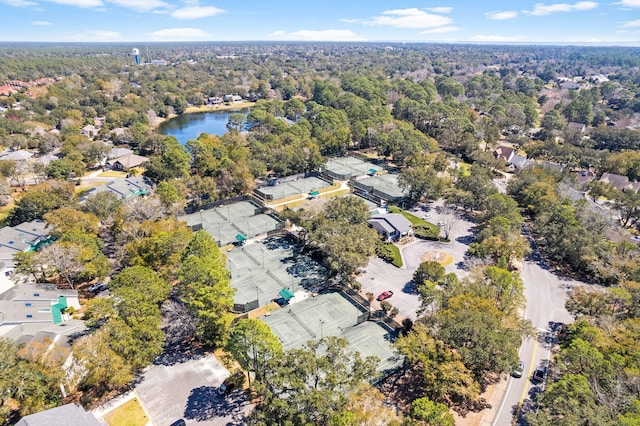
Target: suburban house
(68, 415)
(392, 226)
(215, 100)
(519, 161)
(505, 153)
(119, 152)
(123, 188)
(620, 182)
(19, 155)
(89, 131)
(232, 98)
(579, 127)
(27, 308)
(127, 162)
(26, 236)
(584, 176)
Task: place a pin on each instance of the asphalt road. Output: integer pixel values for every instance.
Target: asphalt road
(546, 294)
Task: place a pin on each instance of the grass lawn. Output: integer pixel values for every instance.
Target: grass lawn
(389, 253)
(397, 259)
(422, 228)
(128, 414)
(113, 174)
(220, 107)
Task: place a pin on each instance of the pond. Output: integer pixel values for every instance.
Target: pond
(189, 126)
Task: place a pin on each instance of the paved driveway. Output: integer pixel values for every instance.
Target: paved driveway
(188, 389)
(381, 276)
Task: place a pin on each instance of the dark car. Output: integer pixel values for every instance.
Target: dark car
(97, 287)
(180, 422)
(384, 295)
(236, 380)
(538, 375)
(517, 372)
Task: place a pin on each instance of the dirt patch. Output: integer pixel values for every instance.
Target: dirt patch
(437, 256)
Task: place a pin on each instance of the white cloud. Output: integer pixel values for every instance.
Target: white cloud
(141, 5)
(441, 9)
(496, 38)
(180, 34)
(196, 12)
(41, 23)
(541, 9)
(440, 30)
(321, 35)
(79, 3)
(631, 24)
(18, 3)
(408, 18)
(629, 3)
(96, 35)
(501, 15)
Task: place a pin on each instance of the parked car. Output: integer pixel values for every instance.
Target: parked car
(98, 287)
(538, 375)
(384, 295)
(236, 380)
(180, 422)
(442, 223)
(517, 372)
(426, 216)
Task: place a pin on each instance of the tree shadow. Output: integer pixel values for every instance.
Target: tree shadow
(204, 403)
(178, 354)
(410, 288)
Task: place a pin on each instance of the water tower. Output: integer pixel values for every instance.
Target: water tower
(136, 54)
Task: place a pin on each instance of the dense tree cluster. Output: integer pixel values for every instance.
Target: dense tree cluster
(595, 373)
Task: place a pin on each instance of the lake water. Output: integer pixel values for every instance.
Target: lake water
(189, 126)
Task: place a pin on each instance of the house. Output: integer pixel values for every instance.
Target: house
(504, 152)
(215, 100)
(621, 183)
(65, 415)
(159, 62)
(232, 98)
(584, 176)
(119, 152)
(123, 188)
(579, 127)
(89, 131)
(519, 161)
(24, 237)
(27, 308)
(127, 162)
(19, 155)
(392, 226)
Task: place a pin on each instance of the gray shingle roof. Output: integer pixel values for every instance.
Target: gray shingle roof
(65, 415)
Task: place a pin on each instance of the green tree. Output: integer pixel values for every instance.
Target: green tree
(431, 413)
(428, 271)
(205, 288)
(252, 344)
(310, 386)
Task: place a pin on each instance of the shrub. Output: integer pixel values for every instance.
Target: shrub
(389, 253)
(385, 306)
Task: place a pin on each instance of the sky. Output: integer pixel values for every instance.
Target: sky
(478, 21)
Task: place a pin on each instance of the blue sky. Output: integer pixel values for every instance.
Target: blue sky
(488, 21)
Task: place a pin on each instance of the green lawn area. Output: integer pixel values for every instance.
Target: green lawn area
(389, 253)
(128, 414)
(420, 226)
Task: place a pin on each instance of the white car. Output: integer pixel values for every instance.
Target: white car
(426, 216)
(442, 223)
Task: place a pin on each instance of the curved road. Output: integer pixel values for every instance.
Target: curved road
(546, 294)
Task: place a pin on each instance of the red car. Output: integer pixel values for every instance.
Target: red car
(384, 295)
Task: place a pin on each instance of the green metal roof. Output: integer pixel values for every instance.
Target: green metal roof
(286, 294)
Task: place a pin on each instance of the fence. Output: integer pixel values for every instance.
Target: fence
(193, 209)
(240, 308)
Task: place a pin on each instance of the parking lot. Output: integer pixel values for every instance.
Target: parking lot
(187, 389)
(382, 276)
